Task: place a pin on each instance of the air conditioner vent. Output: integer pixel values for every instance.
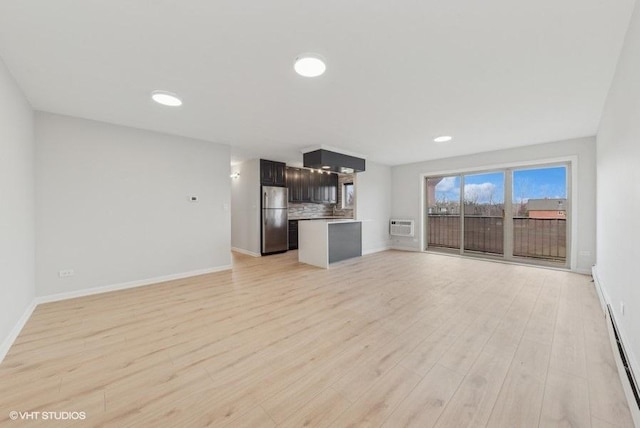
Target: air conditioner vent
(400, 227)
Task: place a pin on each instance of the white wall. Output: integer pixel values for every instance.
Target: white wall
(245, 208)
(17, 216)
(407, 188)
(373, 206)
(618, 151)
(112, 204)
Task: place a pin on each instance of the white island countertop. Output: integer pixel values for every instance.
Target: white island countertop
(332, 220)
(323, 241)
(326, 217)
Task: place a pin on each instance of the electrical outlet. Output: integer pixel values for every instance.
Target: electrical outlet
(65, 273)
(585, 253)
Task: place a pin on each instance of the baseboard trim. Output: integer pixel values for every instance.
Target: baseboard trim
(631, 360)
(401, 248)
(601, 294)
(13, 335)
(247, 252)
(375, 250)
(126, 285)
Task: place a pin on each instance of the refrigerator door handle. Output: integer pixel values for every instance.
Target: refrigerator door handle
(264, 232)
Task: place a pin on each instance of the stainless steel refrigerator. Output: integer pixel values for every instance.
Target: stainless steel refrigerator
(275, 221)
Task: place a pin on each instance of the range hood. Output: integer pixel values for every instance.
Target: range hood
(333, 161)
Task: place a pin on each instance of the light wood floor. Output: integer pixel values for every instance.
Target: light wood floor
(392, 339)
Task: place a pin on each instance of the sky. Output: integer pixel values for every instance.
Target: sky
(538, 183)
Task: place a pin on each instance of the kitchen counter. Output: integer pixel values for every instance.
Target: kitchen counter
(325, 241)
(319, 218)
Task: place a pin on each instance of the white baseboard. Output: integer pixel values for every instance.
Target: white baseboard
(376, 250)
(631, 358)
(13, 335)
(247, 252)
(8, 341)
(601, 293)
(126, 285)
(402, 248)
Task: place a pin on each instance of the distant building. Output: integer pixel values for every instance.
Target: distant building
(547, 208)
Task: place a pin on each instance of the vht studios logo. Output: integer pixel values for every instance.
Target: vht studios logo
(47, 416)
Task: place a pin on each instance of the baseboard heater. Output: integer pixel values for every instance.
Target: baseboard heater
(623, 357)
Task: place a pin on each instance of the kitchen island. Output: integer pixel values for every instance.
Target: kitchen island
(322, 242)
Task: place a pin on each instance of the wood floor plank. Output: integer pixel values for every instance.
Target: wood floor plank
(320, 411)
(425, 403)
(283, 404)
(255, 418)
(520, 399)
(374, 406)
(357, 381)
(599, 423)
(566, 401)
(568, 352)
(474, 400)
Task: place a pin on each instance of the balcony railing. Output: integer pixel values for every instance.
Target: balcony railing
(535, 238)
(541, 238)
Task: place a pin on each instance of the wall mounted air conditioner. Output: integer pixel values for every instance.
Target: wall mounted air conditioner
(400, 227)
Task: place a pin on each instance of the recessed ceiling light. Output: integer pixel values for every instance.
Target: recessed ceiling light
(166, 98)
(310, 65)
(443, 139)
(326, 167)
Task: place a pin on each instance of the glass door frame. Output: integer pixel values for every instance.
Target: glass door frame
(570, 163)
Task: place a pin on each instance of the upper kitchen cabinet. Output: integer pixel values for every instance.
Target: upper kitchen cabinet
(309, 186)
(299, 184)
(324, 188)
(272, 173)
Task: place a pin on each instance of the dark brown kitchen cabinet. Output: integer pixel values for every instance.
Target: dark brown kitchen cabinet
(324, 188)
(311, 186)
(293, 234)
(333, 188)
(272, 173)
(299, 184)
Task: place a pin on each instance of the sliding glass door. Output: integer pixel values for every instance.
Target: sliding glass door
(443, 213)
(539, 210)
(518, 214)
(484, 213)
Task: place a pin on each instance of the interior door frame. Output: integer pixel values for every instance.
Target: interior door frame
(571, 162)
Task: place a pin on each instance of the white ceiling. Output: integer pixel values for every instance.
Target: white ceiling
(492, 73)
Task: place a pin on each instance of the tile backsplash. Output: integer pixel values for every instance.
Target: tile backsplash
(310, 210)
(317, 210)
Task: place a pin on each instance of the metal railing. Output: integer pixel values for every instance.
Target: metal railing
(541, 238)
(443, 231)
(484, 234)
(535, 238)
